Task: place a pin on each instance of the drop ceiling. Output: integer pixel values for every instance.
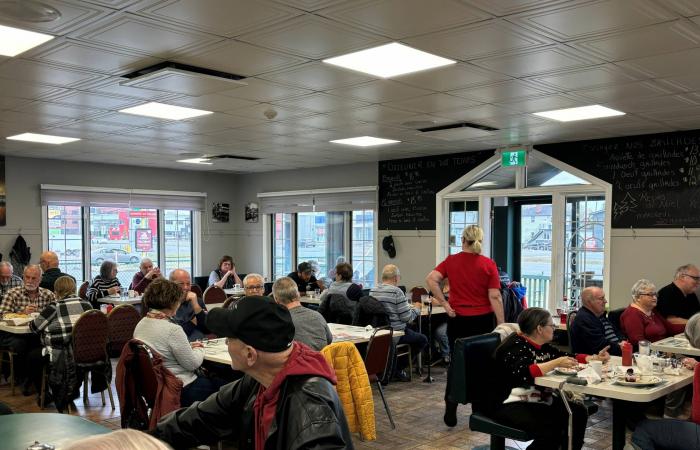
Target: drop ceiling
(514, 57)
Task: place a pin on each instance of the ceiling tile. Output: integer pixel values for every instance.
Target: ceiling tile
(185, 82)
(74, 14)
(544, 103)
(222, 17)
(258, 90)
(238, 58)
(637, 89)
(312, 37)
(319, 121)
(373, 113)
(91, 100)
(489, 38)
(88, 129)
(258, 112)
(12, 102)
(451, 77)
(317, 76)
(211, 102)
(58, 110)
(35, 72)
(477, 113)
(143, 35)
(211, 123)
(312, 5)
(584, 78)
(647, 41)
(112, 86)
(380, 91)
(667, 65)
(582, 19)
(19, 89)
(86, 56)
(130, 120)
(321, 103)
(507, 7)
(402, 18)
(432, 103)
(637, 105)
(30, 120)
(684, 82)
(535, 62)
(504, 91)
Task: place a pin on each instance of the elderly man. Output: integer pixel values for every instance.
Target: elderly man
(677, 302)
(311, 328)
(398, 308)
(285, 399)
(592, 331)
(192, 313)
(147, 273)
(25, 300)
(304, 277)
(8, 279)
(254, 284)
(49, 264)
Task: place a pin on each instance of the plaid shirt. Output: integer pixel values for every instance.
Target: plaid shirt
(14, 282)
(55, 323)
(16, 300)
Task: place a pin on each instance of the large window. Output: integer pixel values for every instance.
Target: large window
(178, 240)
(461, 215)
(324, 239)
(65, 233)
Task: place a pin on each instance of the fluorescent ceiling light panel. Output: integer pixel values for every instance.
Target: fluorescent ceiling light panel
(163, 111)
(196, 161)
(580, 113)
(14, 41)
(389, 60)
(42, 138)
(364, 141)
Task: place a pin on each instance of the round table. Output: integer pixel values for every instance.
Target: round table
(19, 431)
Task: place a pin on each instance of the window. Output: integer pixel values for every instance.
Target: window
(178, 240)
(363, 247)
(65, 233)
(461, 215)
(282, 248)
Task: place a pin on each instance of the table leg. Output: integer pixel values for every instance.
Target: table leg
(419, 358)
(619, 419)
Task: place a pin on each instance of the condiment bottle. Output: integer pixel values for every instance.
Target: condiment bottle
(626, 353)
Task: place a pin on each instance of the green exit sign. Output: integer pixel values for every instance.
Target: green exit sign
(514, 158)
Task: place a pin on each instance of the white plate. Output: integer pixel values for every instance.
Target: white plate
(566, 371)
(644, 380)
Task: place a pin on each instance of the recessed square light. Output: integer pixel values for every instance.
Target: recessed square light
(580, 113)
(196, 161)
(42, 138)
(14, 41)
(364, 141)
(163, 111)
(389, 60)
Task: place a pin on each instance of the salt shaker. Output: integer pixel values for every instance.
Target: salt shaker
(644, 348)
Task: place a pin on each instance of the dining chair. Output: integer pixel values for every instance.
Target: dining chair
(122, 321)
(416, 293)
(614, 318)
(197, 290)
(90, 339)
(214, 294)
(141, 386)
(82, 292)
(10, 354)
(569, 322)
(377, 359)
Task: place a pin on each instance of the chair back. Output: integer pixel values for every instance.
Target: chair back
(378, 350)
(268, 288)
(82, 292)
(416, 293)
(214, 294)
(121, 320)
(365, 292)
(337, 308)
(90, 337)
(614, 318)
(370, 311)
(480, 367)
(142, 370)
(569, 323)
(197, 290)
(230, 301)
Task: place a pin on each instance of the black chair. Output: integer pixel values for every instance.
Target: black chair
(377, 361)
(268, 289)
(403, 288)
(480, 366)
(569, 323)
(365, 292)
(614, 318)
(337, 308)
(202, 282)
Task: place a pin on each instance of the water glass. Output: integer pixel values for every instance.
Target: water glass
(644, 348)
(425, 299)
(317, 293)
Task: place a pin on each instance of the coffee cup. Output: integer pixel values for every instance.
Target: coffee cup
(598, 367)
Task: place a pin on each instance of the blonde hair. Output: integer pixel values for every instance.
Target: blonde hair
(64, 287)
(472, 237)
(128, 439)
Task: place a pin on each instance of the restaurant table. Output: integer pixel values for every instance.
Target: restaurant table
(310, 300)
(215, 350)
(675, 344)
(211, 306)
(236, 292)
(15, 329)
(118, 300)
(620, 395)
(19, 431)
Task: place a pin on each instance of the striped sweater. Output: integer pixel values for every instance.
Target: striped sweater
(396, 304)
(98, 289)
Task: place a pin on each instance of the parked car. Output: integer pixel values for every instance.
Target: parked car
(114, 254)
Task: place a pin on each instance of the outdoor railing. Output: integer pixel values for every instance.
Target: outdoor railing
(537, 289)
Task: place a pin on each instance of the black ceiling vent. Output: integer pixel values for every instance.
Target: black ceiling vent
(452, 126)
(244, 158)
(183, 67)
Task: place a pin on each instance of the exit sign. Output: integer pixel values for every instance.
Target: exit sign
(513, 158)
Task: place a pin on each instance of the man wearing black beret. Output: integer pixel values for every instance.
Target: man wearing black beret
(285, 400)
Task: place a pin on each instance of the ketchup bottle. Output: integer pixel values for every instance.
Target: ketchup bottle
(626, 353)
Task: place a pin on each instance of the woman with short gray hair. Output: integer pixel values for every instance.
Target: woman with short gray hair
(641, 321)
(104, 284)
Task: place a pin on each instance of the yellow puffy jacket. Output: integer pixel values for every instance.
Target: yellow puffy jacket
(353, 387)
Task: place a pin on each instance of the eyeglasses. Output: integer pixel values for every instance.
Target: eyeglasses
(256, 287)
(550, 325)
(648, 294)
(691, 276)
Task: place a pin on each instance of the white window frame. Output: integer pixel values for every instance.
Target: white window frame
(453, 192)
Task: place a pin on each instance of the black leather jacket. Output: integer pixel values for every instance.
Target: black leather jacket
(309, 416)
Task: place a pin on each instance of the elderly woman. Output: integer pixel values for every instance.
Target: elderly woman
(225, 276)
(104, 284)
(54, 325)
(673, 434)
(640, 321)
(523, 357)
(343, 284)
(182, 358)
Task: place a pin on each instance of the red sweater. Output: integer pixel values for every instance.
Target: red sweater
(637, 326)
(695, 411)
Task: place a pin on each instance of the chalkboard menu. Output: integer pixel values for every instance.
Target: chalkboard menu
(655, 177)
(407, 187)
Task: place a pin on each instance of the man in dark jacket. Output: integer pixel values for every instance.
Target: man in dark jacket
(591, 331)
(49, 265)
(286, 399)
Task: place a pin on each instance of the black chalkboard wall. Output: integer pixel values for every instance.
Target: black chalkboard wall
(407, 187)
(655, 177)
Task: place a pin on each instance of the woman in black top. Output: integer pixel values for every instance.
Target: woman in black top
(523, 357)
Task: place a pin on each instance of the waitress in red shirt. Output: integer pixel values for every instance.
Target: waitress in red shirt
(475, 305)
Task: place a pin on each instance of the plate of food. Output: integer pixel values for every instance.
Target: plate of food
(568, 370)
(639, 381)
(16, 318)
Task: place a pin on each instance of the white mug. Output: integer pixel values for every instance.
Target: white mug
(598, 367)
